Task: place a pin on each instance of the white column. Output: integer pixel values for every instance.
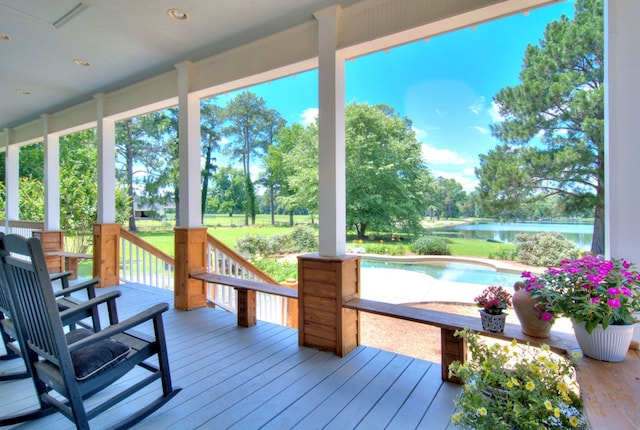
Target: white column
(51, 177)
(188, 149)
(12, 174)
(332, 188)
(622, 154)
(106, 169)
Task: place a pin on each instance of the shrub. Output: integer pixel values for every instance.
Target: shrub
(384, 248)
(303, 239)
(278, 270)
(427, 245)
(544, 249)
(253, 244)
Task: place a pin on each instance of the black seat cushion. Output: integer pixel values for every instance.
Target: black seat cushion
(96, 357)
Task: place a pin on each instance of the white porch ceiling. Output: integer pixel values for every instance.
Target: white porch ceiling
(130, 42)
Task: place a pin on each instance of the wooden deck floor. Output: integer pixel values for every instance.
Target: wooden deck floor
(258, 377)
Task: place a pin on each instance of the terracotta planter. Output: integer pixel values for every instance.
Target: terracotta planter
(494, 323)
(605, 345)
(530, 321)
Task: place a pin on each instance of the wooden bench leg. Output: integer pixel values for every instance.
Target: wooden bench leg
(246, 308)
(453, 349)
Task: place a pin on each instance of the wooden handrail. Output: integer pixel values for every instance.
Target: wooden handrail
(127, 235)
(246, 264)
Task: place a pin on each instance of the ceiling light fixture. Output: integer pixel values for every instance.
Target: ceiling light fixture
(178, 14)
(81, 63)
(23, 92)
(4, 36)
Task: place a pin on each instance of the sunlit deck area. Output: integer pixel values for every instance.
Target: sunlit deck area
(258, 377)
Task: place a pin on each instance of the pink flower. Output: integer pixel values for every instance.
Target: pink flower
(614, 303)
(595, 300)
(546, 316)
(613, 291)
(625, 291)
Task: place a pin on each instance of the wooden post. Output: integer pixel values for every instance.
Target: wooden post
(246, 307)
(106, 254)
(325, 283)
(191, 254)
(52, 240)
(291, 316)
(453, 349)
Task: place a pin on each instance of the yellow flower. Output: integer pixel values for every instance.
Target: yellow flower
(547, 404)
(551, 366)
(456, 417)
(482, 412)
(515, 382)
(574, 422)
(562, 387)
(530, 386)
(576, 354)
(514, 343)
(544, 347)
(556, 412)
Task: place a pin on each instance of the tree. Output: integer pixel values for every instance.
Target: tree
(228, 190)
(252, 127)
(386, 176)
(210, 123)
(560, 101)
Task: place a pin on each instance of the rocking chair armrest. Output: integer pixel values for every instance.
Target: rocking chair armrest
(146, 315)
(63, 276)
(86, 285)
(82, 307)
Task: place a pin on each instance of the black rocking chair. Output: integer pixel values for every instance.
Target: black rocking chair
(81, 310)
(79, 363)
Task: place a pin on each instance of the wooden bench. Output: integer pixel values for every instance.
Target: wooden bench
(453, 348)
(71, 260)
(246, 293)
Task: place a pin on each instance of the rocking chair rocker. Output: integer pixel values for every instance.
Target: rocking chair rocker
(79, 363)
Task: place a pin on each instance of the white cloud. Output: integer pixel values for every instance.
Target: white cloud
(309, 115)
(434, 156)
(477, 106)
(482, 130)
(421, 133)
(494, 112)
(466, 178)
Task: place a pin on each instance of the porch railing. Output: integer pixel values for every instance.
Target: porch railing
(23, 228)
(142, 263)
(223, 260)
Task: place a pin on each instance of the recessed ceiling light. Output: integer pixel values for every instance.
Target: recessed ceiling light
(178, 14)
(4, 36)
(23, 92)
(81, 63)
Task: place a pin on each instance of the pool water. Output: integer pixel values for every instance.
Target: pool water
(450, 271)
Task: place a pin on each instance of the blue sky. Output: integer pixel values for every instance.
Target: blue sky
(444, 85)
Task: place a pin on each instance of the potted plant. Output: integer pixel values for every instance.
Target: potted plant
(511, 386)
(601, 298)
(493, 301)
(532, 312)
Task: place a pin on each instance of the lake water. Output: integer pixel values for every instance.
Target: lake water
(580, 234)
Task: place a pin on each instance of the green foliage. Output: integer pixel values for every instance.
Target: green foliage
(303, 239)
(428, 245)
(504, 254)
(300, 239)
(516, 387)
(559, 102)
(384, 248)
(544, 249)
(278, 270)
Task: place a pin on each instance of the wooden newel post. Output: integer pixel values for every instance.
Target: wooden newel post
(52, 240)
(453, 349)
(191, 256)
(246, 307)
(325, 283)
(106, 254)
(291, 313)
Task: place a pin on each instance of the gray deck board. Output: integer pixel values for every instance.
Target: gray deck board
(258, 377)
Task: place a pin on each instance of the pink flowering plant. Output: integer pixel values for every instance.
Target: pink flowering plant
(589, 289)
(494, 299)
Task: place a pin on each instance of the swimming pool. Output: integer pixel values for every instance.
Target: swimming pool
(450, 271)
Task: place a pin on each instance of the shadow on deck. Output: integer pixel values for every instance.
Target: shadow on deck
(258, 377)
